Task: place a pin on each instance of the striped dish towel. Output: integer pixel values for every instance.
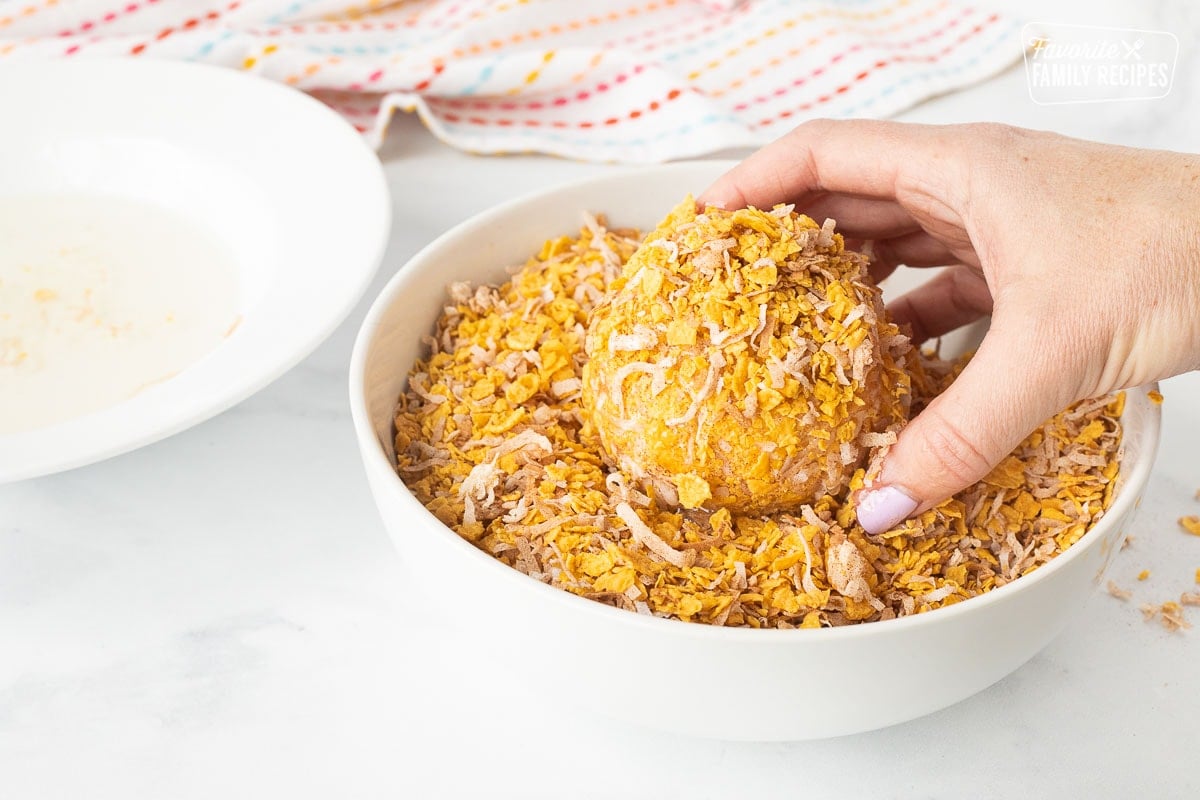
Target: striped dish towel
(603, 80)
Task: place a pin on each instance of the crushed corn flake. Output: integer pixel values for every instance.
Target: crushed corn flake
(1191, 524)
(1155, 397)
(1143, 575)
(491, 436)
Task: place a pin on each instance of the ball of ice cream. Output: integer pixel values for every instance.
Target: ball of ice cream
(743, 360)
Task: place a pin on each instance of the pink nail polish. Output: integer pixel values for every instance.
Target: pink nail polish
(881, 509)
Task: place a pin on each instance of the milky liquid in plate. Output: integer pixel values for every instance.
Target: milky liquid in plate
(100, 298)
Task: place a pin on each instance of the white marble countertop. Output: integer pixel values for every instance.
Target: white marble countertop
(221, 614)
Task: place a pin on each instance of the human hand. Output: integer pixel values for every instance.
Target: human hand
(1087, 256)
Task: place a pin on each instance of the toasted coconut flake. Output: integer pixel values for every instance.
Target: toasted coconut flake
(825, 238)
(670, 247)
(566, 387)
(517, 511)
(710, 383)
(762, 311)
(415, 386)
(848, 569)
(810, 517)
(1118, 592)
(878, 439)
(651, 541)
(739, 572)
(641, 339)
(937, 595)
(565, 521)
(478, 489)
(600, 241)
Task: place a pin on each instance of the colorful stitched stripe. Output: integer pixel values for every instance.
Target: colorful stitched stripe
(598, 79)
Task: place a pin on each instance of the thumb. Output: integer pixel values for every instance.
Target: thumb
(1014, 383)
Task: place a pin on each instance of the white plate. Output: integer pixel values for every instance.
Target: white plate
(285, 183)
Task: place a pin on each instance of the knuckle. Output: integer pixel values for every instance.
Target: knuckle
(953, 455)
(818, 126)
(806, 132)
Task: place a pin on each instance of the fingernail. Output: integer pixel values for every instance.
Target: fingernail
(883, 508)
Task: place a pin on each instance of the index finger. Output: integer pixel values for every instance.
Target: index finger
(863, 158)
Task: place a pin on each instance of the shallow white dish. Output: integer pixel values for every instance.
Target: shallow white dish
(695, 679)
(277, 177)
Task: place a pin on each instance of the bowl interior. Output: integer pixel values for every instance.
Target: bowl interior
(234, 156)
(480, 249)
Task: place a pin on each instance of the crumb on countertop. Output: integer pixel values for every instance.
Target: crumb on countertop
(1118, 592)
(1191, 524)
(1143, 575)
(1169, 613)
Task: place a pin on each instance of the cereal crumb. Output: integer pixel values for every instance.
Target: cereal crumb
(1190, 599)
(1118, 592)
(1169, 613)
(694, 491)
(1129, 537)
(1143, 575)
(1155, 397)
(1191, 524)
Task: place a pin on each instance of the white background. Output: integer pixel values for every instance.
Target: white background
(221, 615)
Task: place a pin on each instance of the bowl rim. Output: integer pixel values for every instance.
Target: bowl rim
(375, 458)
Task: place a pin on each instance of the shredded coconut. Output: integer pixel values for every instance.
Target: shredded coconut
(1118, 592)
(647, 538)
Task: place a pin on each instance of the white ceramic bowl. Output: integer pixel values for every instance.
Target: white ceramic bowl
(697, 679)
(283, 182)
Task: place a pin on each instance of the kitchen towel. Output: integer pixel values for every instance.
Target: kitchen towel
(605, 80)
